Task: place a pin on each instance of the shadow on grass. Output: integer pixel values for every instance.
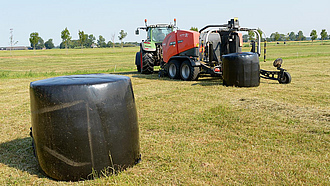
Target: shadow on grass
(203, 81)
(18, 154)
(126, 73)
(136, 74)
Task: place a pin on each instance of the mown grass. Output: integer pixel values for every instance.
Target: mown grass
(191, 133)
(55, 62)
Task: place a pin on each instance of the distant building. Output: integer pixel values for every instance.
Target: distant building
(15, 48)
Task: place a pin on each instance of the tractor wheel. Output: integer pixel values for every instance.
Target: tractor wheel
(138, 61)
(188, 72)
(285, 79)
(173, 70)
(148, 64)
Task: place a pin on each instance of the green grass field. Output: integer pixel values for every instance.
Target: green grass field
(191, 133)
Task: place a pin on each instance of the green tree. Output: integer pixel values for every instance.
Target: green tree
(101, 42)
(65, 35)
(82, 38)
(282, 37)
(300, 36)
(34, 39)
(324, 35)
(41, 44)
(110, 44)
(49, 44)
(292, 36)
(275, 36)
(194, 29)
(251, 35)
(287, 37)
(87, 42)
(313, 35)
(75, 44)
(90, 40)
(122, 35)
(245, 38)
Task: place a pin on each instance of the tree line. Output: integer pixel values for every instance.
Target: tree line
(38, 43)
(299, 36)
(283, 37)
(89, 40)
(84, 41)
(289, 36)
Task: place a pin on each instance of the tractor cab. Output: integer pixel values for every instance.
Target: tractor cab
(150, 53)
(158, 33)
(155, 34)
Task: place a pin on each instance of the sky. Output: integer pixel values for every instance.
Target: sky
(108, 17)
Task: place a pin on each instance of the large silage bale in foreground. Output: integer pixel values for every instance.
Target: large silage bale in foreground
(82, 123)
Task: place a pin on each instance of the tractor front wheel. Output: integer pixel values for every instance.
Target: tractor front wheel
(173, 70)
(188, 72)
(285, 79)
(147, 64)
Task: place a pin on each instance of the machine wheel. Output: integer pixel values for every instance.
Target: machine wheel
(173, 70)
(285, 79)
(188, 72)
(148, 64)
(138, 61)
(224, 82)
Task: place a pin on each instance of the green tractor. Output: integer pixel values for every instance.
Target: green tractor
(150, 53)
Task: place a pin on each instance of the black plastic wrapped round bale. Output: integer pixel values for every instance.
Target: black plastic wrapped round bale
(241, 69)
(82, 123)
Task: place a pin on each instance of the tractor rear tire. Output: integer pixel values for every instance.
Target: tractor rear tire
(148, 64)
(138, 61)
(286, 79)
(188, 72)
(173, 70)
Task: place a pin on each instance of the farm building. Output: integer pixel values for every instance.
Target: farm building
(15, 48)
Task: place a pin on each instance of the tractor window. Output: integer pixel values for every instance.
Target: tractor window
(159, 34)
